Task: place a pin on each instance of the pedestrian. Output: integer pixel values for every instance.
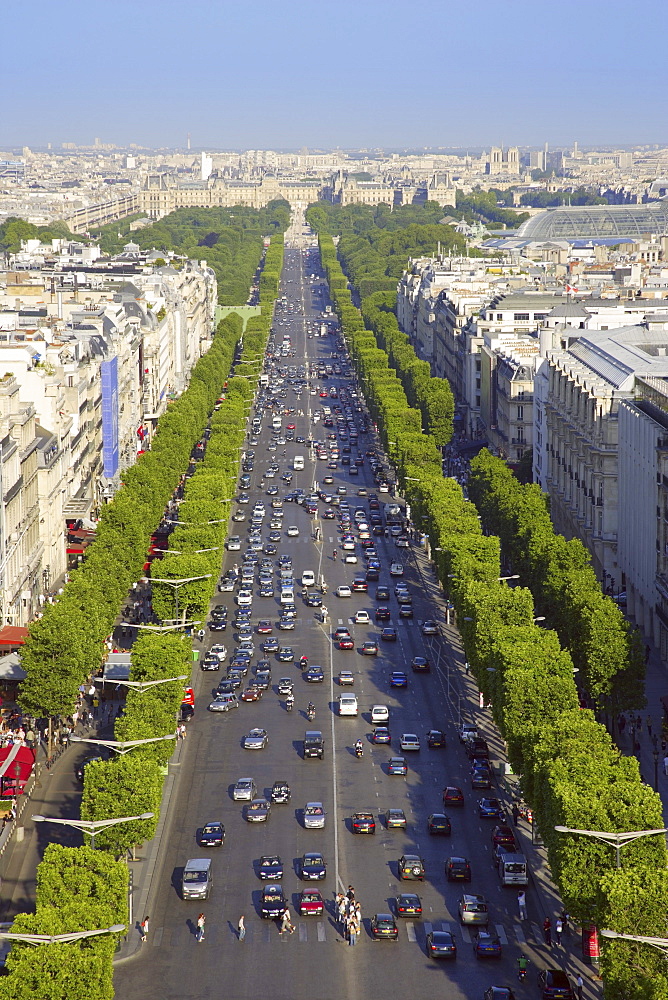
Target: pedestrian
(286, 922)
(665, 765)
(558, 928)
(143, 929)
(565, 917)
(350, 895)
(547, 931)
(622, 723)
(647, 653)
(241, 928)
(96, 707)
(200, 634)
(522, 904)
(353, 930)
(649, 725)
(201, 920)
(342, 909)
(638, 724)
(579, 983)
(516, 813)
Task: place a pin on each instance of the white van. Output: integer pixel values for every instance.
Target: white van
(287, 596)
(308, 578)
(512, 869)
(380, 713)
(347, 704)
(298, 463)
(275, 423)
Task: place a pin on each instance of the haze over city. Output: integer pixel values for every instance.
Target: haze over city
(375, 74)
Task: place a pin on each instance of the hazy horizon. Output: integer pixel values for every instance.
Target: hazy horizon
(354, 76)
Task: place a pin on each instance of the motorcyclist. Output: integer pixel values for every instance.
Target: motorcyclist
(310, 711)
(335, 554)
(522, 965)
(289, 701)
(303, 662)
(359, 748)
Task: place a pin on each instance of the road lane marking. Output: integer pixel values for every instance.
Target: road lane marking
(427, 926)
(466, 935)
(519, 934)
(303, 934)
(321, 930)
(500, 930)
(410, 931)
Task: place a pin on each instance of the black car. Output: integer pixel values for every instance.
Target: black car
(382, 593)
(312, 867)
(408, 905)
(458, 870)
(280, 792)
(389, 634)
(210, 663)
(272, 902)
(384, 927)
(435, 738)
(441, 944)
(439, 825)
(554, 984)
(411, 867)
(477, 748)
(383, 614)
(270, 866)
(211, 835)
(314, 675)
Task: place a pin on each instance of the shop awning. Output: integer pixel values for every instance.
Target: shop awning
(13, 635)
(16, 764)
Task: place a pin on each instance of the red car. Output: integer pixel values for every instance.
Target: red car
(264, 627)
(188, 696)
(503, 835)
(453, 796)
(290, 427)
(311, 903)
(346, 642)
(251, 693)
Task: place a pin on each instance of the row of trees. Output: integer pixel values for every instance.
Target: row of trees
(131, 785)
(14, 229)
(572, 773)
(229, 239)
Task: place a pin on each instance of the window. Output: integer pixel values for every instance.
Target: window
(520, 317)
(520, 413)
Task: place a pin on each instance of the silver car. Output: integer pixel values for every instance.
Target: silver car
(244, 790)
(314, 816)
(258, 811)
(257, 739)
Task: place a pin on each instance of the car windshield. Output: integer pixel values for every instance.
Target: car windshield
(211, 828)
(313, 811)
(272, 896)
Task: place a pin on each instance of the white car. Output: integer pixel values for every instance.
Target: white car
(362, 618)
(409, 741)
(314, 816)
(343, 591)
(380, 713)
(396, 569)
(293, 531)
(429, 627)
(234, 543)
(402, 542)
(350, 557)
(244, 790)
(348, 546)
(245, 598)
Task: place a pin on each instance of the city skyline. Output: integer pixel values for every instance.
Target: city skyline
(356, 77)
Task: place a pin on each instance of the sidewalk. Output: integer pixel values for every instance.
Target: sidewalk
(541, 892)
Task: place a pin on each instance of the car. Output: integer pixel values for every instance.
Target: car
(457, 869)
(349, 557)
(311, 903)
(467, 731)
(314, 816)
(490, 809)
(346, 678)
(411, 866)
(341, 632)
(408, 904)
(453, 796)
(395, 819)
(398, 679)
(285, 623)
(381, 734)
(362, 618)
(402, 542)
(280, 792)
(383, 614)
(262, 678)
(382, 593)
(272, 902)
(420, 664)
(473, 909)
(360, 586)
(313, 600)
(388, 634)
(224, 703)
(270, 866)
(438, 824)
(477, 747)
(343, 591)
(429, 627)
(436, 739)
(396, 569)
(285, 685)
(210, 663)
(441, 944)
(498, 993)
(245, 598)
(257, 739)
(258, 811)
(270, 645)
(346, 642)
(252, 693)
(379, 713)
(405, 610)
(369, 648)
(285, 654)
(293, 531)
(314, 675)
(554, 984)
(312, 867)
(234, 543)
(486, 945)
(409, 741)
(397, 765)
(264, 627)
(481, 777)
(363, 822)
(384, 927)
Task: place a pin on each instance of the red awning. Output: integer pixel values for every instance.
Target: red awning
(16, 764)
(13, 635)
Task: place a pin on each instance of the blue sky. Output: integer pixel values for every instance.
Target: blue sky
(350, 74)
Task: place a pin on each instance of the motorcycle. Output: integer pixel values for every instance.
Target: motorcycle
(522, 972)
(303, 662)
(359, 751)
(310, 714)
(289, 704)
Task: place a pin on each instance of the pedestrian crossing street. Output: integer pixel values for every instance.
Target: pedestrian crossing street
(322, 931)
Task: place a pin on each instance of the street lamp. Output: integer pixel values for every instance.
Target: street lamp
(172, 627)
(618, 839)
(91, 826)
(181, 582)
(122, 746)
(60, 938)
(515, 576)
(141, 686)
(541, 618)
(655, 942)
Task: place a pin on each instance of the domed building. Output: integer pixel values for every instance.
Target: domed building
(597, 222)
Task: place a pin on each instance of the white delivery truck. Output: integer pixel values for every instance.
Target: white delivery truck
(298, 463)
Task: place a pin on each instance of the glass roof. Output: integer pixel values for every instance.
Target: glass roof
(630, 221)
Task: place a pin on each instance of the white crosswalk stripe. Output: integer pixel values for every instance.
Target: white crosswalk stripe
(500, 930)
(519, 933)
(427, 927)
(321, 931)
(303, 933)
(410, 931)
(466, 934)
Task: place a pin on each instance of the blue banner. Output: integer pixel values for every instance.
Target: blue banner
(109, 375)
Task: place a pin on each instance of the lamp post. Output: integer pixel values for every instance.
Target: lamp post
(655, 754)
(91, 826)
(61, 938)
(171, 626)
(619, 840)
(141, 686)
(186, 579)
(655, 942)
(122, 746)
(515, 576)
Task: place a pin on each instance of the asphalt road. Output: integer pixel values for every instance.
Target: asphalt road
(316, 961)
